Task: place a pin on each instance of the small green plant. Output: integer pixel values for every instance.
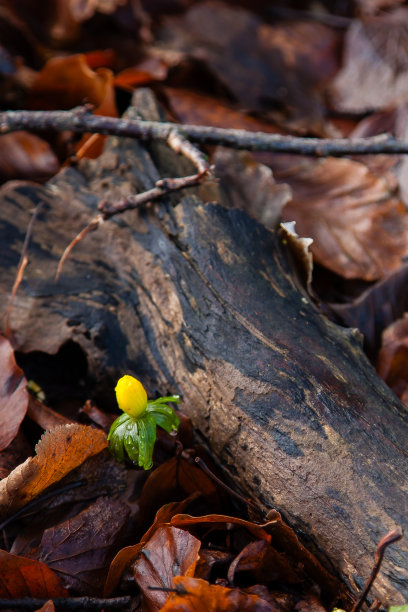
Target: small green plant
(134, 432)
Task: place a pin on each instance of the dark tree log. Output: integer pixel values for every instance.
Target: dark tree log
(203, 301)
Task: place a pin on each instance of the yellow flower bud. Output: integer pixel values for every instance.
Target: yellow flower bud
(131, 396)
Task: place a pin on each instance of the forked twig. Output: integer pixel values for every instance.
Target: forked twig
(162, 187)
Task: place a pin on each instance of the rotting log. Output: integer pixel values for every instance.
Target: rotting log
(200, 300)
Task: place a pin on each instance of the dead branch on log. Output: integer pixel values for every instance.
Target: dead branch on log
(81, 119)
(163, 187)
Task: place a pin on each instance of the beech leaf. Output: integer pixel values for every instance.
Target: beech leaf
(21, 577)
(170, 552)
(59, 451)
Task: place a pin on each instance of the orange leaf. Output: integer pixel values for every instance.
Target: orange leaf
(13, 395)
(170, 552)
(21, 577)
(59, 451)
(196, 595)
(65, 82)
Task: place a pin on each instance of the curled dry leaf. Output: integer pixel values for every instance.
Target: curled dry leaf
(79, 549)
(13, 394)
(300, 248)
(65, 82)
(196, 595)
(263, 66)
(359, 228)
(375, 66)
(125, 556)
(376, 308)
(170, 552)
(21, 577)
(59, 451)
(276, 533)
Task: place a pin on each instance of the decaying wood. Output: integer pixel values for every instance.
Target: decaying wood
(200, 300)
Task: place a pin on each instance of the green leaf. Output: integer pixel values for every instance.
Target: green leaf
(403, 608)
(164, 416)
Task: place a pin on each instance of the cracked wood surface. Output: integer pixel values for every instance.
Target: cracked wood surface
(200, 300)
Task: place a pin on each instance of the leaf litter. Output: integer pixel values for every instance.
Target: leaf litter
(218, 64)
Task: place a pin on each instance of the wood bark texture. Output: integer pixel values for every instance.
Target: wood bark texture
(201, 300)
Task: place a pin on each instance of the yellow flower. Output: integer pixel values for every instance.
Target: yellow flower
(131, 396)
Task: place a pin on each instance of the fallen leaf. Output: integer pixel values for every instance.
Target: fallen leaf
(170, 552)
(65, 82)
(250, 186)
(80, 549)
(149, 70)
(174, 480)
(392, 361)
(370, 7)
(27, 156)
(300, 249)
(265, 67)
(200, 109)
(21, 577)
(59, 451)
(274, 532)
(375, 64)
(13, 394)
(376, 308)
(44, 416)
(196, 595)
(359, 228)
(125, 556)
(265, 565)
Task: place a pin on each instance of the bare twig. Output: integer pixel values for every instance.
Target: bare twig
(68, 603)
(81, 119)
(162, 187)
(390, 538)
(22, 264)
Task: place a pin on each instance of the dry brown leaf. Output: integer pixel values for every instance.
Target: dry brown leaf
(21, 577)
(13, 394)
(359, 228)
(59, 451)
(265, 67)
(375, 66)
(125, 556)
(65, 82)
(80, 549)
(25, 155)
(196, 595)
(170, 552)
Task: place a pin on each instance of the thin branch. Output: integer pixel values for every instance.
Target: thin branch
(162, 187)
(390, 538)
(68, 603)
(81, 120)
(21, 267)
